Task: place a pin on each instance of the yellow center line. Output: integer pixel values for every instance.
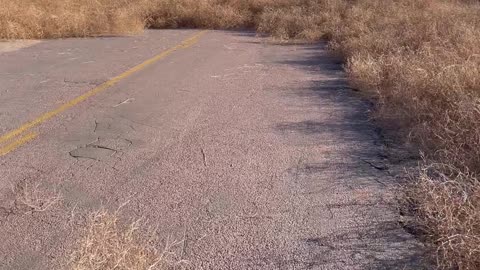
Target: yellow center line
(12, 134)
(17, 143)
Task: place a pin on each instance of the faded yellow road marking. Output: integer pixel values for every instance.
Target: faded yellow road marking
(12, 134)
(17, 143)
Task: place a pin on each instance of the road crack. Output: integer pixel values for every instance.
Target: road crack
(204, 157)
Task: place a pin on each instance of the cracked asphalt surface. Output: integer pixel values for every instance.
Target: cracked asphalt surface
(258, 155)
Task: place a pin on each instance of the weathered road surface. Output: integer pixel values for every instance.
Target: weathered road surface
(258, 155)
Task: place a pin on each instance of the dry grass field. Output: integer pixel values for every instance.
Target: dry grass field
(419, 60)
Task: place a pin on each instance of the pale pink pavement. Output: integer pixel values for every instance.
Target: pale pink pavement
(259, 155)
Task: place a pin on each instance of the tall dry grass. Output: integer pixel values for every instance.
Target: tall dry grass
(418, 59)
(34, 19)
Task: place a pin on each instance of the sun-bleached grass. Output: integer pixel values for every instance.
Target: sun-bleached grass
(419, 60)
(109, 244)
(446, 202)
(31, 197)
(27, 196)
(34, 19)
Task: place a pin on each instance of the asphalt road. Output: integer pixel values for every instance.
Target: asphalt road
(258, 155)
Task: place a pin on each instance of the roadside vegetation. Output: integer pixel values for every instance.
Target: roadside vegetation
(419, 60)
(108, 243)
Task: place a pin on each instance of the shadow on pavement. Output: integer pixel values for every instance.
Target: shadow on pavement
(377, 240)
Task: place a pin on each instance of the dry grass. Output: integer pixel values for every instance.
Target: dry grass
(418, 59)
(448, 202)
(35, 19)
(80, 18)
(31, 197)
(108, 244)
